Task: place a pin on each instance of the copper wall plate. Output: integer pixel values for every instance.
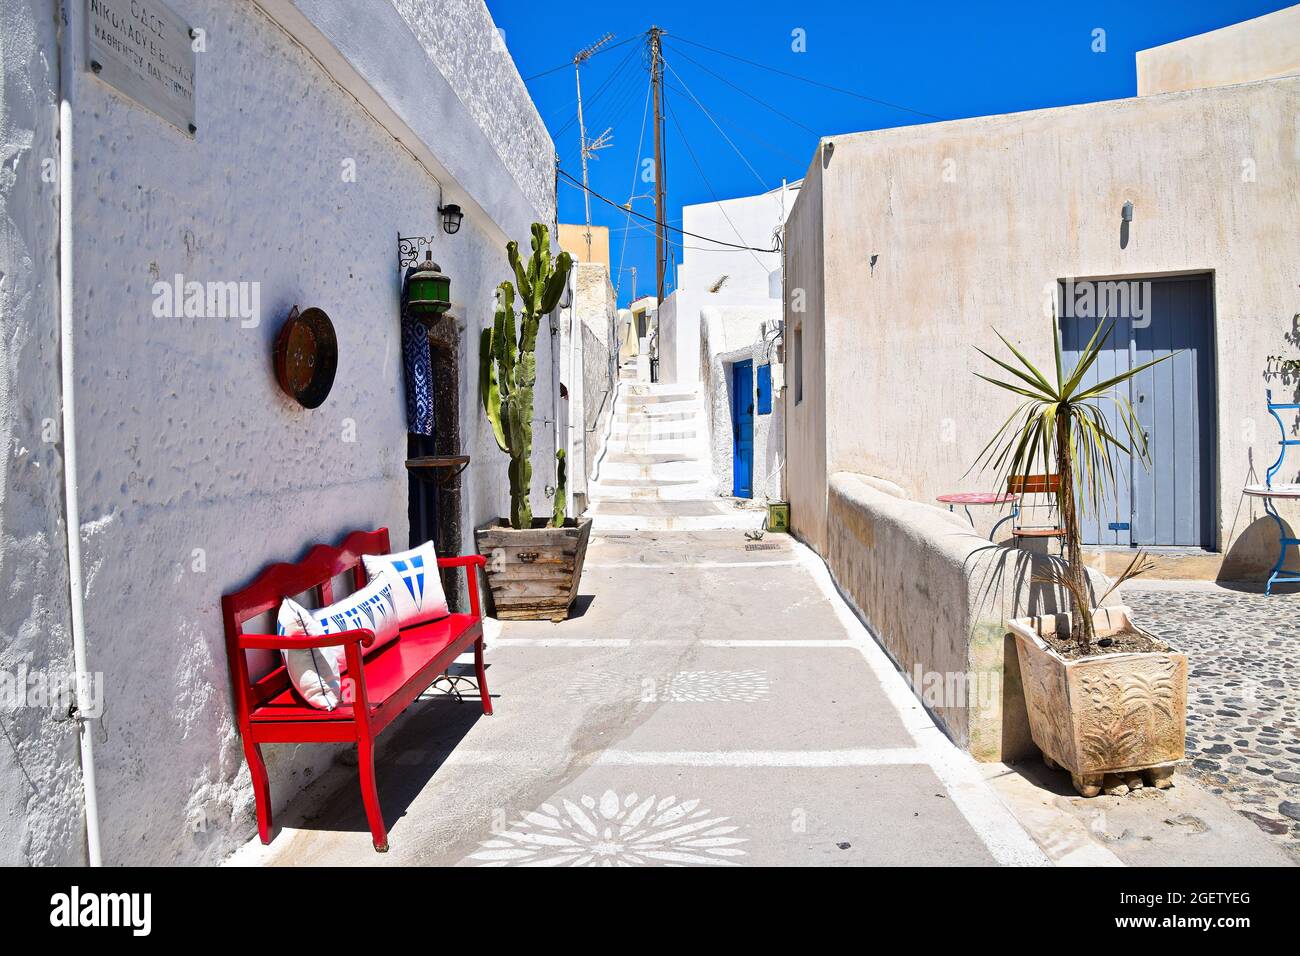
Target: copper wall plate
(306, 356)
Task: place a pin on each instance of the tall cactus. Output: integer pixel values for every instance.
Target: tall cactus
(558, 515)
(508, 359)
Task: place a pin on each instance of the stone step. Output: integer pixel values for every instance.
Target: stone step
(618, 489)
(681, 470)
(649, 458)
(642, 443)
(643, 482)
(650, 435)
(623, 417)
(662, 509)
(734, 518)
(662, 388)
(634, 398)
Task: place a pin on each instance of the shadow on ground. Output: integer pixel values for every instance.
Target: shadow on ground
(408, 756)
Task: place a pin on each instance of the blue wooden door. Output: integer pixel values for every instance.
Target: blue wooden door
(1170, 502)
(1173, 499)
(742, 419)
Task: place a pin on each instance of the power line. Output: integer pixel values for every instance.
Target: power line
(636, 166)
(656, 222)
(740, 89)
(804, 79)
(672, 114)
(761, 185)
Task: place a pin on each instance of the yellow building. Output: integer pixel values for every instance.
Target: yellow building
(573, 240)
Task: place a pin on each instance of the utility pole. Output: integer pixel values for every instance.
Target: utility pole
(657, 81)
(586, 147)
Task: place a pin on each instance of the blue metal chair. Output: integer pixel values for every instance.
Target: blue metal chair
(1284, 540)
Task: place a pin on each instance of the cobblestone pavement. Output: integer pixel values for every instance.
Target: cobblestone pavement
(1243, 697)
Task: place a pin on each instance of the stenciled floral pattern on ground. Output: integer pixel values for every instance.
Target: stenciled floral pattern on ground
(616, 830)
(698, 687)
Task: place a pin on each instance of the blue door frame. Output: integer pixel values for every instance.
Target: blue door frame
(742, 429)
(1171, 503)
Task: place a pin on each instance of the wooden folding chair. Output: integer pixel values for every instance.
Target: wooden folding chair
(1040, 485)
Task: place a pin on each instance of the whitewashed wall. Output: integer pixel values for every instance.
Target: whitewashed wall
(40, 786)
(195, 470)
(589, 372)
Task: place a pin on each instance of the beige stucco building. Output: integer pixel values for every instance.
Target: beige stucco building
(968, 222)
(908, 247)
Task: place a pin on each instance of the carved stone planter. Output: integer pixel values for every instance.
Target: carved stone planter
(1114, 721)
(533, 573)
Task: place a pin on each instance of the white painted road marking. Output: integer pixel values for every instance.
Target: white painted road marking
(1005, 838)
(690, 566)
(736, 759)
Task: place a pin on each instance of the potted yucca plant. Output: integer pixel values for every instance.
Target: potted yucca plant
(1107, 700)
(533, 564)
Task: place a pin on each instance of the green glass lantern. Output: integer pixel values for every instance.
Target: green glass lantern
(428, 291)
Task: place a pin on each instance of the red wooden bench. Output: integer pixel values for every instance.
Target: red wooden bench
(377, 686)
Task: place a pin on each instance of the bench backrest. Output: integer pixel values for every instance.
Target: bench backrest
(315, 573)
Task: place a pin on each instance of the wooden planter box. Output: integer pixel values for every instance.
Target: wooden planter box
(533, 573)
(1114, 721)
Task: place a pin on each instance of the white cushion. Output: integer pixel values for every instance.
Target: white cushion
(314, 672)
(373, 607)
(419, 591)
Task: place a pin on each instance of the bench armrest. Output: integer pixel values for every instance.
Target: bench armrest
(470, 562)
(301, 642)
(351, 642)
(463, 561)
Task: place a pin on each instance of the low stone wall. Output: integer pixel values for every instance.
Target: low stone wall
(938, 596)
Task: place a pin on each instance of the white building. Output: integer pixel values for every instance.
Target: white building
(720, 329)
(160, 434)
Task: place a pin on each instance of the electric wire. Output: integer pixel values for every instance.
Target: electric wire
(650, 219)
(636, 167)
(804, 79)
(672, 114)
(740, 89)
(736, 149)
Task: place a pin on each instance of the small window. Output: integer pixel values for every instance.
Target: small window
(765, 390)
(797, 349)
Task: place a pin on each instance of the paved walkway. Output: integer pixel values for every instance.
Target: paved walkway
(708, 703)
(1243, 700)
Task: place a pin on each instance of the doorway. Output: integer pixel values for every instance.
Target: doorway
(742, 419)
(1170, 503)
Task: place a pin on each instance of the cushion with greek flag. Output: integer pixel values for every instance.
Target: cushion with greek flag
(419, 595)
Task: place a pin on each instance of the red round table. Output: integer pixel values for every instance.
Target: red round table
(968, 498)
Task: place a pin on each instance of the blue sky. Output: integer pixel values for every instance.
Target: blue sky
(949, 60)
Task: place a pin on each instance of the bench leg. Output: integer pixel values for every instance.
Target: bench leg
(370, 794)
(261, 788)
(482, 678)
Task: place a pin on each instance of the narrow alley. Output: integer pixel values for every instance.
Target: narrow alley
(750, 720)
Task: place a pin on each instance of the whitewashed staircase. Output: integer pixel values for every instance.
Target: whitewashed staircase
(656, 472)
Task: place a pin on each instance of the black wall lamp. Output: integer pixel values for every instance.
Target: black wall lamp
(451, 217)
